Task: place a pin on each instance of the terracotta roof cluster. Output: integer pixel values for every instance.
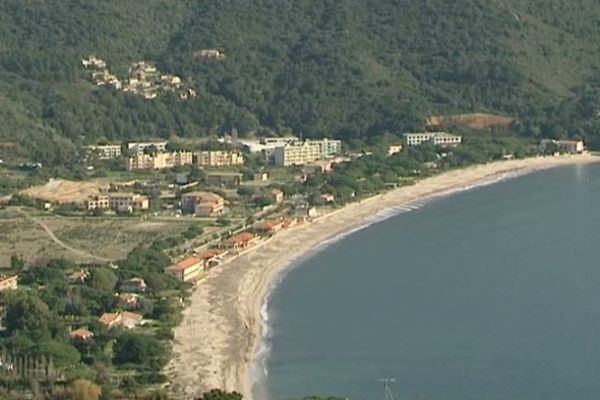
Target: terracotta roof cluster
(126, 319)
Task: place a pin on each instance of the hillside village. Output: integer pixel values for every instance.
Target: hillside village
(143, 79)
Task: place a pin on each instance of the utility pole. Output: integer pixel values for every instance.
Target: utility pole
(387, 386)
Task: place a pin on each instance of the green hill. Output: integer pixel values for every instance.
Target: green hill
(344, 68)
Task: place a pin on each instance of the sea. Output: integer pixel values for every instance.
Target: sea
(490, 293)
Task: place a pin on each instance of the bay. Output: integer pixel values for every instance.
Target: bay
(493, 293)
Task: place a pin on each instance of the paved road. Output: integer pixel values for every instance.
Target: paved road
(60, 242)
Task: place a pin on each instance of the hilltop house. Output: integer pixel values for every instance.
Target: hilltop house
(394, 149)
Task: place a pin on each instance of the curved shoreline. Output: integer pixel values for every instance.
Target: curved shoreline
(221, 333)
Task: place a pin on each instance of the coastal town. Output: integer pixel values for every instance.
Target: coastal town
(299, 200)
(235, 194)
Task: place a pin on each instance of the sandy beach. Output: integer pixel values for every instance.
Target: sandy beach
(221, 330)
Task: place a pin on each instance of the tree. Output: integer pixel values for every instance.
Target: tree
(102, 279)
(141, 350)
(82, 389)
(217, 394)
(28, 314)
(166, 311)
(16, 262)
(62, 354)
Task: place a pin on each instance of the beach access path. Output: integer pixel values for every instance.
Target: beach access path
(220, 335)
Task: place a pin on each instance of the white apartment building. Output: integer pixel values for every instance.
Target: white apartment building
(436, 138)
(297, 153)
(127, 202)
(104, 151)
(159, 161)
(219, 158)
(329, 147)
(122, 202)
(138, 147)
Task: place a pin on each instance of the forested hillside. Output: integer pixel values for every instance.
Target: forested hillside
(343, 68)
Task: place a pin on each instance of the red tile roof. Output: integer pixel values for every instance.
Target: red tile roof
(109, 319)
(132, 316)
(81, 334)
(185, 264)
(243, 237)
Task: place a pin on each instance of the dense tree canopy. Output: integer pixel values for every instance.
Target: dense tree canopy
(344, 68)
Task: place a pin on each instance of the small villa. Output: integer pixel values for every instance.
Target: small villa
(240, 241)
(126, 319)
(81, 335)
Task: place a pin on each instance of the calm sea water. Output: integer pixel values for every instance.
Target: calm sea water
(488, 294)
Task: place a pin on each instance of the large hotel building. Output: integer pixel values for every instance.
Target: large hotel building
(435, 138)
(219, 158)
(299, 153)
(159, 160)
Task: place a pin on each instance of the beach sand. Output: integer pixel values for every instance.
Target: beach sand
(221, 331)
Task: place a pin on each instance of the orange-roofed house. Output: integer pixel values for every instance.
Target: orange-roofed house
(270, 226)
(82, 335)
(240, 241)
(110, 319)
(125, 319)
(130, 319)
(186, 270)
